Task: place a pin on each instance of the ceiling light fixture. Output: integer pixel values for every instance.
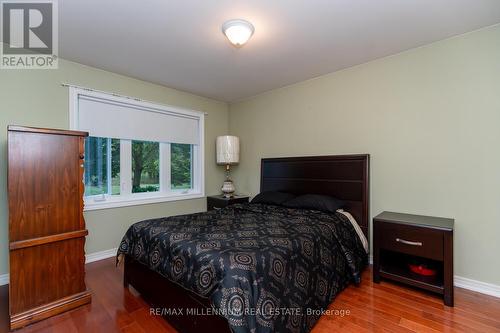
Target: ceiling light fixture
(238, 31)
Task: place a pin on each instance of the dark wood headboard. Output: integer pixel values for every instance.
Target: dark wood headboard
(343, 176)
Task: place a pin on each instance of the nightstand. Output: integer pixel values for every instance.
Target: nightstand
(218, 201)
(403, 239)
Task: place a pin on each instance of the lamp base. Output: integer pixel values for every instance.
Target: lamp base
(228, 188)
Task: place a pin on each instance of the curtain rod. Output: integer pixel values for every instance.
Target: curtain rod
(68, 85)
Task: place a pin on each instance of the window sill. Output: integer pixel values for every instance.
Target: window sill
(127, 202)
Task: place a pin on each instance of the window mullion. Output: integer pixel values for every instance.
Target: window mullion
(108, 166)
(165, 168)
(192, 168)
(196, 168)
(126, 167)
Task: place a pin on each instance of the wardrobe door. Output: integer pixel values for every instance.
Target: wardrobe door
(46, 226)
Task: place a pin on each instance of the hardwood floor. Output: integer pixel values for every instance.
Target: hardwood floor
(383, 307)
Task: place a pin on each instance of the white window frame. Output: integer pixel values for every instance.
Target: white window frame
(165, 194)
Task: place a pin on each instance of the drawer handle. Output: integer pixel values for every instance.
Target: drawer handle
(217, 208)
(399, 240)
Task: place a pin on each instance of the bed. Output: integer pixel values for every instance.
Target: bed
(255, 267)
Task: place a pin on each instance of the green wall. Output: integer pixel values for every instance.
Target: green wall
(429, 117)
(36, 98)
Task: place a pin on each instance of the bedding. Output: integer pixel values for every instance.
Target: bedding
(265, 268)
(356, 227)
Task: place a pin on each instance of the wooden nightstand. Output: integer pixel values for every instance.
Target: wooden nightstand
(218, 201)
(403, 239)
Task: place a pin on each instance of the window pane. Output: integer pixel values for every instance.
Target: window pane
(101, 154)
(95, 175)
(181, 160)
(145, 166)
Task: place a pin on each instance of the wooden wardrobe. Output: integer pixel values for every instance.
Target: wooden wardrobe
(46, 226)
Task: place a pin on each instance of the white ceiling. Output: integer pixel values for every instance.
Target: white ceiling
(178, 43)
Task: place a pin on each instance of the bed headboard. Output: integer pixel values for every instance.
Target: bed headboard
(343, 176)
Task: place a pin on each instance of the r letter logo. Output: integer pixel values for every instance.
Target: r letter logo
(29, 34)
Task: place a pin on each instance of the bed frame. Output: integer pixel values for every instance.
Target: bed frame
(343, 176)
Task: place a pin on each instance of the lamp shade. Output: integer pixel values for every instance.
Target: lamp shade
(228, 149)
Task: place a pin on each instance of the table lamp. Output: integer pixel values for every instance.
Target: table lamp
(228, 153)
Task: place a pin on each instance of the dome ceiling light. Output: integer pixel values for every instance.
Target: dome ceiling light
(238, 31)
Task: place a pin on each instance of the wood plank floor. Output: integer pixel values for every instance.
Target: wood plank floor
(383, 307)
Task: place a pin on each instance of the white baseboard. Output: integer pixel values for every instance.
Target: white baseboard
(469, 284)
(96, 256)
(4, 279)
(91, 257)
(480, 287)
(462, 282)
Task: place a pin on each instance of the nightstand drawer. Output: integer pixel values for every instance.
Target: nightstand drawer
(422, 242)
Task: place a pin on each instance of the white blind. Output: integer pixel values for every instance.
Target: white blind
(111, 118)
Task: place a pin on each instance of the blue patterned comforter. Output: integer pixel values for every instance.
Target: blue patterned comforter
(263, 267)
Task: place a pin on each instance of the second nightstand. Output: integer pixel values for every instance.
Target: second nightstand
(218, 201)
(425, 242)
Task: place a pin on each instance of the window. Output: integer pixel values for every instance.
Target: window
(181, 166)
(102, 166)
(137, 152)
(145, 166)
